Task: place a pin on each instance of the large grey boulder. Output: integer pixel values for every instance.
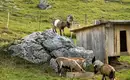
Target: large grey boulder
(32, 37)
(41, 47)
(58, 42)
(81, 52)
(62, 52)
(53, 44)
(54, 65)
(30, 51)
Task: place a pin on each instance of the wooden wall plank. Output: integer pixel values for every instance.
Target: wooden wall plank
(78, 43)
(110, 45)
(128, 39)
(98, 39)
(85, 40)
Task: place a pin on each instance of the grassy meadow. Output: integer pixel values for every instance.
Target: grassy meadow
(26, 18)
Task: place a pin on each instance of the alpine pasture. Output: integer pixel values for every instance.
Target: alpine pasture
(25, 18)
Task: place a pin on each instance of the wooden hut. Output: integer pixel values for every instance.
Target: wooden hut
(107, 37)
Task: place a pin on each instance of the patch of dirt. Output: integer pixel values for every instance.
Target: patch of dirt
(121, 65)
(118, 65)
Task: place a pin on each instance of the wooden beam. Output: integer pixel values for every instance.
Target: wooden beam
(106, 45)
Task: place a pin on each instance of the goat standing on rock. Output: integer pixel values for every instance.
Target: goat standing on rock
(62, 24)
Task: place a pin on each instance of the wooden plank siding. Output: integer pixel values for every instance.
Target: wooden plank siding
(84, 37)
(92, 39)
(128, 39)
(110, 40)
(117, 40)
(78, 37)
(87, 39)
(98, 42)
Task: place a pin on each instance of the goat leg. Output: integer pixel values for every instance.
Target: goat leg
(71, 35)
(54, 29)
(103, 77)
(70, 69)
(63, 32)
(60, 68)
(60, 32)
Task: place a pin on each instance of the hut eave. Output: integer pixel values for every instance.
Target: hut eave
(104, 22)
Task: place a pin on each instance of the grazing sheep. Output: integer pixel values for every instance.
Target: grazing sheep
(62, 24)
(105, 69)
(70, 63)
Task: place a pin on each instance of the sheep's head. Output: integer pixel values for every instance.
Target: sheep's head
(97, 65)
(96, 69)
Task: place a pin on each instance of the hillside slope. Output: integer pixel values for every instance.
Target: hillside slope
(26, 18)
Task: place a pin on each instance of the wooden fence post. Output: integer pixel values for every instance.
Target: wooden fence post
(7, 26)
(85, 19)
(39, 20)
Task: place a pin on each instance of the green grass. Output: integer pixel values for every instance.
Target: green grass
(13, 68)
(125, 58)
(27, 18)
(123, 74)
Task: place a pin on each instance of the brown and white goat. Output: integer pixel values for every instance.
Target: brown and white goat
(60, 24)
(71, 63)
(105, 69)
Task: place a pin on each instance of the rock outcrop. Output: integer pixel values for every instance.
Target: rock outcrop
(43, 47)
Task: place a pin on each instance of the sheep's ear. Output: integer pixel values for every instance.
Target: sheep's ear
(93, 60)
